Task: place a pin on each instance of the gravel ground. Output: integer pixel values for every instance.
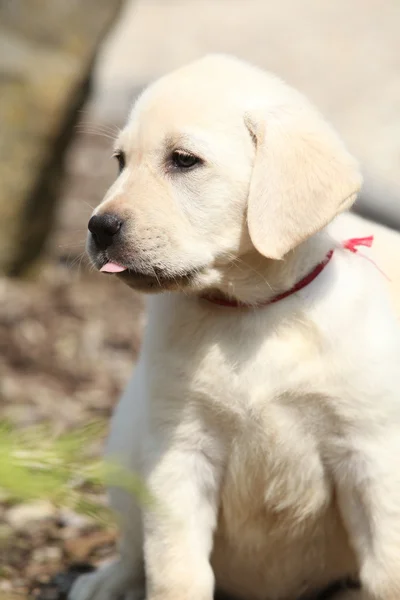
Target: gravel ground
(68, 340)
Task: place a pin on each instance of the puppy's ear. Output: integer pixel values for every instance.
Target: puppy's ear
(302, 178)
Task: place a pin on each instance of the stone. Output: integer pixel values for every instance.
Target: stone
(47, 52)
(71, 520)
(47, 554)
(21, 515)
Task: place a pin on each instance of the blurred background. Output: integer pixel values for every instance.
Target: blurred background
(69, 72)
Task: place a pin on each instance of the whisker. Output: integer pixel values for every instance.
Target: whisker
(69, 262)
(87, 204)
(76, 260)
(178, 284)
(83, 258)
(101, 127)
(155, 275)
(82, 129)
(99, 134)
(91, 266)
(70, 245)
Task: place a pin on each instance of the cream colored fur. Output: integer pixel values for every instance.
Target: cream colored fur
(269, 437)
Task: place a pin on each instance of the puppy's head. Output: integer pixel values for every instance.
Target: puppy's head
(217, 160)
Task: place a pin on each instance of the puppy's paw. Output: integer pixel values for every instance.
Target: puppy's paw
(197, 585)
(113, 582)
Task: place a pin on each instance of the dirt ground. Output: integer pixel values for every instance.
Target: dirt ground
(68, 340)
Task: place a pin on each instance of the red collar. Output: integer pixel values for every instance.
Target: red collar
(351, 244)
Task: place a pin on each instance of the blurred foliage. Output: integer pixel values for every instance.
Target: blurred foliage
(37, 465)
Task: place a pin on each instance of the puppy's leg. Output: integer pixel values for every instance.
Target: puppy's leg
(123, 578)
(178, 531)
(368, 484)
(113, 582)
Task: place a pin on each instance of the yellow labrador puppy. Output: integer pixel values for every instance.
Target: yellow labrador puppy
(264, 413)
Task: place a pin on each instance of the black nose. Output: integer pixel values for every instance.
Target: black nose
(103, 229)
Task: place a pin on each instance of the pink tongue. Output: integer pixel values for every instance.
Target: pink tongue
(112, 267)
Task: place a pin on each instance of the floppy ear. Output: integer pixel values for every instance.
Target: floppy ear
(302, 178)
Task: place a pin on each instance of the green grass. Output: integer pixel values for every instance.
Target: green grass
(37, 465)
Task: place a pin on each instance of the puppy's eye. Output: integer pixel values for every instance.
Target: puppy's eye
(120, 156)
(184, 160)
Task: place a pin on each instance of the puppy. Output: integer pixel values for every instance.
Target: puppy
(264, 413)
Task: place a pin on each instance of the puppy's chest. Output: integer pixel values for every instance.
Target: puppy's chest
(275, 484)
(261, 400)
(249, 374)
(274, 477)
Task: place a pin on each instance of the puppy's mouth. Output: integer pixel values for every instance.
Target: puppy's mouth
(156, 281)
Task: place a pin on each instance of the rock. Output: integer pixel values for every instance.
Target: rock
(47, 49)
(69, 519)
(81, 549)
(21, 515)
(5, 587)
(47, 554)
